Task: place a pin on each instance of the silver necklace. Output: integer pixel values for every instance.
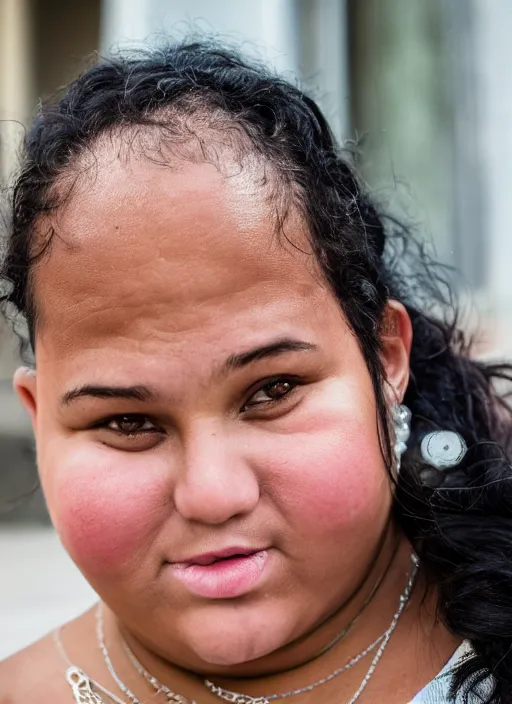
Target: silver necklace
(347, 629)
(245, 699)
(337, 638)
(238, 698)
(230, 696)
(81, 684)
(159, 687)
(106, 657)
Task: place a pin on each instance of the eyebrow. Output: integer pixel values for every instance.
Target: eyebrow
(232, 363)
(286, 344)
(132, 393)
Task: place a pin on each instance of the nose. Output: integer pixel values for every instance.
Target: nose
(214, 484)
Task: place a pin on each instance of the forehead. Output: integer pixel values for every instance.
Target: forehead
(147, 249)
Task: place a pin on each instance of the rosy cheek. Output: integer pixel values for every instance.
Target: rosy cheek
(107, 507)
(336, 492)
(334, 482)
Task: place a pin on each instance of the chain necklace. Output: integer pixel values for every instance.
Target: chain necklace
(337, 638)
(238, 698)
(346, 630)
(245, 699)
(159, 687)
(81, 684)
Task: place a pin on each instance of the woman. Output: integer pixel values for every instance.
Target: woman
(282, 477)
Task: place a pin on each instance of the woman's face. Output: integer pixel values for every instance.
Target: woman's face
(200, 395)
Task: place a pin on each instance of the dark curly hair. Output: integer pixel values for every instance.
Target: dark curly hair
(460, 522)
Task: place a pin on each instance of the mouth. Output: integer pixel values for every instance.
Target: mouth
(224, 574)
(210, 558)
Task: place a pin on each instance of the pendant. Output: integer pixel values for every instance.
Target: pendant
(81, 687)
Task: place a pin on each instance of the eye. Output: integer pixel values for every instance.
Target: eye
(129, 433)
(270, 393)
(130, 425)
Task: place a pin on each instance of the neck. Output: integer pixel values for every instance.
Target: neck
(388, 572)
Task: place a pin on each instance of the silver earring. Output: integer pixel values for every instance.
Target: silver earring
(401, 417)
(443, 449)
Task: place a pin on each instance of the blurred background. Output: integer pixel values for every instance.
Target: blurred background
(424, 85)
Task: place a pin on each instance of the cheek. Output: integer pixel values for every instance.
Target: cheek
(335, 489)
(330, 480)
(106, 506)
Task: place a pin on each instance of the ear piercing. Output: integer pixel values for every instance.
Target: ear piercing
(401, 417)
(441, 449)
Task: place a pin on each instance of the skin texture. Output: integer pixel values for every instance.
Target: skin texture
(156, 278)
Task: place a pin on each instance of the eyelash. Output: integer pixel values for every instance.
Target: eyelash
(267, 385)
(134, 418)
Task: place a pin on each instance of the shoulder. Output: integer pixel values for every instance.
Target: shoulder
(34, 674)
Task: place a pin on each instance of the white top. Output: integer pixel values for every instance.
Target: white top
(437, 691)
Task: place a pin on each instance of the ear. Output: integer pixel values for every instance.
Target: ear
(396, 341)
(26, 388)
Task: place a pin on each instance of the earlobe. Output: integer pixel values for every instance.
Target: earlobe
(25, 385)
(396, 339)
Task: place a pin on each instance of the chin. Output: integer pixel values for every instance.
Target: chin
(237, 638)
(227, 654)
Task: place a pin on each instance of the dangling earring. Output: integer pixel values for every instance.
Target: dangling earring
(401, 417)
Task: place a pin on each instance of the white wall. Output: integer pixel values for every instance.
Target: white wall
(300, 38)
(493, 22)
(266, 27)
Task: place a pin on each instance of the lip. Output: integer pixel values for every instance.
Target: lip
(207, 558)
(224, 574)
